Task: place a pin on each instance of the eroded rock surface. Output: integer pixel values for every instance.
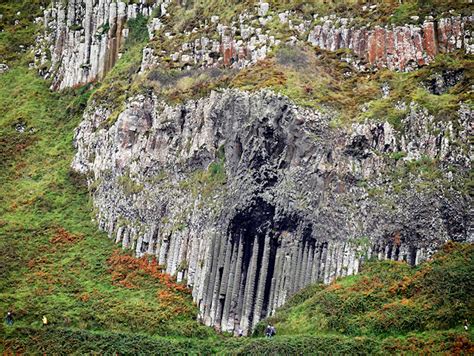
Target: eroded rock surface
(248, 198)
(83, 38)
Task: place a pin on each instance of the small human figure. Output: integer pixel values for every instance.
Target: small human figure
(272, 331)
(466, 325)
(9, 318)
(45, 320)
(268, 331)
(240, 332)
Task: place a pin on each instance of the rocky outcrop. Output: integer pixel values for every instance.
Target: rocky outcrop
(396, 48)
(83, 38)
(248, 198)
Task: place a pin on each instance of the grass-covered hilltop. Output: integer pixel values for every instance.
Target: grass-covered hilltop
(174, 171)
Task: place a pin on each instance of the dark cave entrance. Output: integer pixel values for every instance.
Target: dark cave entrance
(256, 229)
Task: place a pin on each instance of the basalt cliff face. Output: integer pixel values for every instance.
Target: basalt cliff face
(83, 38)
(246, 196)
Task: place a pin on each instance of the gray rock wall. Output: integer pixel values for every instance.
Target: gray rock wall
(83, 38)
(248, 198)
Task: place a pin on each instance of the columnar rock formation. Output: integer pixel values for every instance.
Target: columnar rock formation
(84, 38)
(296, 204)
(400, 47)
(248, 197)
(397, 48)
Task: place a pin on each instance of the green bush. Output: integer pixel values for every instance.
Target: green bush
(138, 31)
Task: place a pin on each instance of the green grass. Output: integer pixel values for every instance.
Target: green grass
(389, 301)
(18, 30)
(187, 16)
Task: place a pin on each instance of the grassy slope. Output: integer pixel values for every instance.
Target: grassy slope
(388, 298)
(390, 306)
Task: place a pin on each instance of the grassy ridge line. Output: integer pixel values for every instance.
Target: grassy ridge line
(396, 12)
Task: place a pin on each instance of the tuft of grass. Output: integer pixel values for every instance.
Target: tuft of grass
(205, 183)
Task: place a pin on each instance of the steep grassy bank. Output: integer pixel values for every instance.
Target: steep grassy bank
(53, 260)
(391, 305)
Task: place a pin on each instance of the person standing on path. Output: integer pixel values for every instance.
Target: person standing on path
(9, 318)
(268, 331)
(272, 331)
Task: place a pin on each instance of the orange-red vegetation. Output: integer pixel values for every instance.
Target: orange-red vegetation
(124, 268)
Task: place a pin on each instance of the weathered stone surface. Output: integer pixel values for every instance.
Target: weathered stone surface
(83, 38)
(302, 202)
(400, 47)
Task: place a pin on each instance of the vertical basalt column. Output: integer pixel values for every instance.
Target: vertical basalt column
(327, 263)
(125, 238)
(133, 239)
(351, 261)
(345, 259)
(316, 262)
(226, 281)
(310, 266)
(338, 260)
(212, 282)
(262, 279)
(274, 282)
(138, 246)
(280, 292)
(419, 256)
(232, 285)
(193, 259)
(322, 268)
(250, 288)
(304, 264)
(119, 234)
(235, 307)
(297, 259)
(163, 250)
(152, 239)
(170, 254)
(278, 276)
